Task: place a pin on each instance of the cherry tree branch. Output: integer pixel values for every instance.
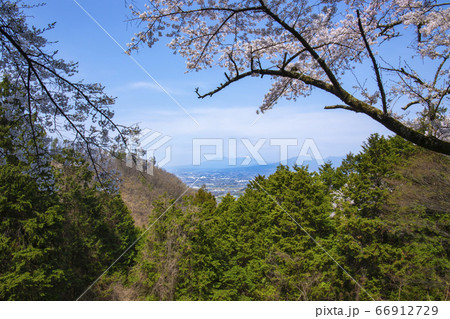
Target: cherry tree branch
(26, 56)
(410, 104)
(340, 106)
(32, 70)
(283, 73)
(83, 137)
(30, 113)
(351, 103)
(305, 43)
(213, 35)
(436, 75)
(374, 63)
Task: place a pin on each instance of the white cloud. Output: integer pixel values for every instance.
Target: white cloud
(335, 132)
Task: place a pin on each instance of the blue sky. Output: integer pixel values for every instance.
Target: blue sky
(229, 114)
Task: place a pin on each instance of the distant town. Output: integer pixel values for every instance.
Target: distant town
(219, 182)
(222, 179)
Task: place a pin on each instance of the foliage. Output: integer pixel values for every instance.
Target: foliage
(50, 99)
(285, 236)
(59, 229)
(374, 228)
(324, 45)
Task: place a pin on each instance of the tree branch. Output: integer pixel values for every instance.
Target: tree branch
(340, 106)
(436, 76)
(374, 63)
(284, 73)
(410, 104)
(76, 88)
(329, 80)
(214, 34)
(33, 70)
(409, 75)
(305, 43)
(351, 104)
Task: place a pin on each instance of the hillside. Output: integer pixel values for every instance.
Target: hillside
(140, 190)
(382, 215)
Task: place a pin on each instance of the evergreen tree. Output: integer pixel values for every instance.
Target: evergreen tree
(59, 230)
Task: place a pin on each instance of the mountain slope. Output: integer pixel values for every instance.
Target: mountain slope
(382, 215)
(140, 190)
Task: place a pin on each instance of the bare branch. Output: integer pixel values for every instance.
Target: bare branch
(410, 104)
(283, 73)
(406, 73)
(436, 75)
(230, 56)
(340, 106)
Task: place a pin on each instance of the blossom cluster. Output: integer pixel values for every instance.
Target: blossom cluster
(45, 94)
(330, 41)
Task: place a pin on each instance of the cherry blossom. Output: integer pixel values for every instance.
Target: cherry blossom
(45, 95)
(328, 45)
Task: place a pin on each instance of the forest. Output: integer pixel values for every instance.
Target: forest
(385, 218)
(383, 215)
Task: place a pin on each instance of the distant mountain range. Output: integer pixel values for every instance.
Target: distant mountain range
(223, 166)
(221, 178)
